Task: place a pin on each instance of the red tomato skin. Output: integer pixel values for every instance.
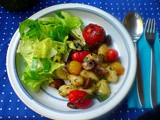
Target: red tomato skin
(79, 56)
(79, 99)
(111, 55)
(93, 34)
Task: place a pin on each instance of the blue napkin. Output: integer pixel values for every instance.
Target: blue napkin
(144, 54)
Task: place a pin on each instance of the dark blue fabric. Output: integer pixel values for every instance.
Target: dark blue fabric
(11, 107)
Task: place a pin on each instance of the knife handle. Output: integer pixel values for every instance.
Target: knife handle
(153, 81)
(139, 80)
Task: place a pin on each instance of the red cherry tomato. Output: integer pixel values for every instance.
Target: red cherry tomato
(79, 56)
(93, 34)
(80, 99)
(111, 55)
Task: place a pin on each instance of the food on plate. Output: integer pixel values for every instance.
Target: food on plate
(79, 99)
(93, 33)
(111, 55)
(76, 60)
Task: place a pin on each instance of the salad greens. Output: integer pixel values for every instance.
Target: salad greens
(44, 44)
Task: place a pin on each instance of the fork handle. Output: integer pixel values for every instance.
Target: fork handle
(153, 81)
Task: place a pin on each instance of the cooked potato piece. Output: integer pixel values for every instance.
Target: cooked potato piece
(75, 80)
(65, 89)
(89, 75)
(103, 49)
(62, 73)
(112, 75)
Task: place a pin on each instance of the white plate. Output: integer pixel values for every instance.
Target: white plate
(47, 102)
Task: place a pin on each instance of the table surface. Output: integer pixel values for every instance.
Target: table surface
(11, 107)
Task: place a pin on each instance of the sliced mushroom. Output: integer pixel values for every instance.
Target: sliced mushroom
(89, 65)
(71, 105)
(57, 83)
(87, 83)
(108, 40)
(97, 58)
(100, 59)
(101, 71)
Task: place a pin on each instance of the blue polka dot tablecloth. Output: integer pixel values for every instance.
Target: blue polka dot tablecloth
(11, 107)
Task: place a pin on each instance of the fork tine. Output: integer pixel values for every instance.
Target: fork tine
(152, 29)
(147, 27)
(150, 26)
(154, 25)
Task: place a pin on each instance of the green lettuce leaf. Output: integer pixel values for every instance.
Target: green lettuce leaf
(41, 74)
(29, 30)
(71, 21)
(35, 84)
(44, 49)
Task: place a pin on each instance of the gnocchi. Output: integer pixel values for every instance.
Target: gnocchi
(75, 80)
(65, 89)
(112, 75)
(89, 74)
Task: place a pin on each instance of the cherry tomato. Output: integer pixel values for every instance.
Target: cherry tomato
(74, 67)
(80, 99)
(79, 56)
(93, 34)
(111, 55)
